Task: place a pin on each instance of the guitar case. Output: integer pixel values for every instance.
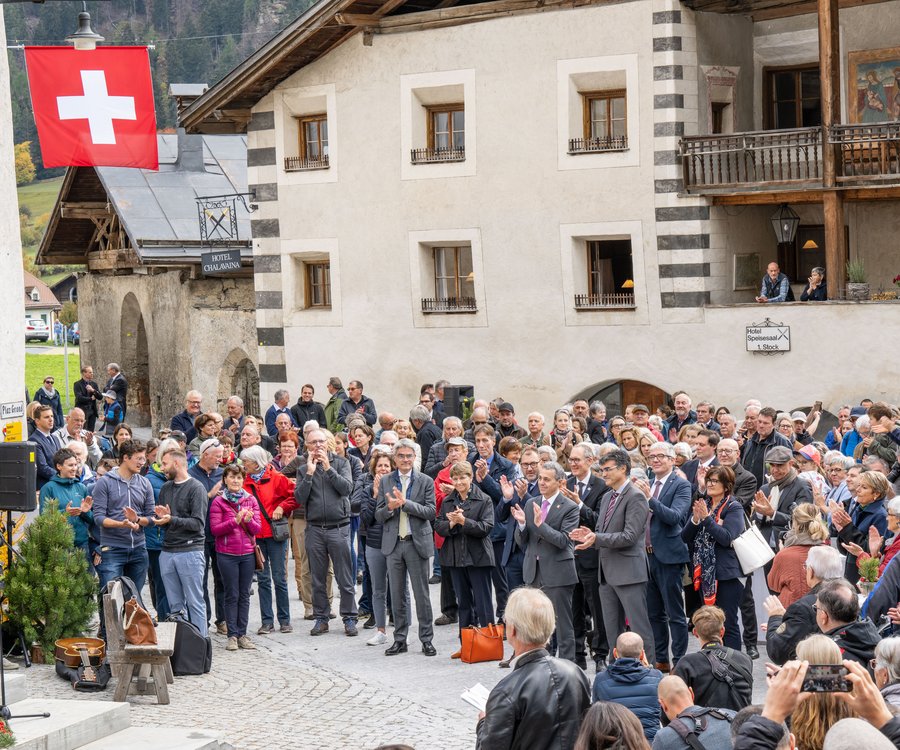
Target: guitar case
(76, 676)
(193, 652)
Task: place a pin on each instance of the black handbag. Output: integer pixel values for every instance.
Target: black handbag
(281, 529)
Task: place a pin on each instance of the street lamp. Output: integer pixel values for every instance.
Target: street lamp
(785, 222)
(84, 37)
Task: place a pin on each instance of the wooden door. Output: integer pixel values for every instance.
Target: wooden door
(636, 392)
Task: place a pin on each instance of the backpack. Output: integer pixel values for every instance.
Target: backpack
(722, 663)
(193, 652)
(129, 590)
(691, 736)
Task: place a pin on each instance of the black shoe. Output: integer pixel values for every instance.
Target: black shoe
(581, 662)
(752, 652)
(331, 615)
(319, 628)
(428, 649)
(360, 613)
(600, 665)
(370, 623)
(399, 647)
(434, 579)
(446, 620)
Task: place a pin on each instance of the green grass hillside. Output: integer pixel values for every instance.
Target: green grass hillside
(39, 196)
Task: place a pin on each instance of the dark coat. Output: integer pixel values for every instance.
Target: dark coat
(857, 640)
(368, 502)
(538, 706)
(886, 593)
(467, 545)
(786, 631)
(745, 486)
(119, 386)
(753, 454)
(428, 434)
(185, 422)
(696, 670)
(490, 485)
(634, 686)
(668, 514)
(732, 526)
(791, 496)
(55, 403)
(368, 410)
(46, 448)
(85, 401)
(302, 413)
(857, 532)
(588, 559)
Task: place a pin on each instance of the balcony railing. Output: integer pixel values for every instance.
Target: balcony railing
(604, 301)
(867, 153)
(449, 305)
(436, 155)
(761, 159)
(299, 164)
(595, 145)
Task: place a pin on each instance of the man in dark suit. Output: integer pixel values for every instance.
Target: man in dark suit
(705, 444)
(669, 498)
(118, 385)
(586, 490)
(405, 507)
(543, 528)
(620, 535)
(513, 555)
(47, 445)
(489, 466)
(87, 396)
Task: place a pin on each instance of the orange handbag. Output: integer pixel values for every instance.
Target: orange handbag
(138, 625)
(481, 644)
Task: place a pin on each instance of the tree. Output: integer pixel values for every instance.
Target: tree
(51, 594)
(24, 164)
(68, 314)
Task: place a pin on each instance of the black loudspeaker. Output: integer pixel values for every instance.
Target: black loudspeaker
(453, 398)
(18, 476)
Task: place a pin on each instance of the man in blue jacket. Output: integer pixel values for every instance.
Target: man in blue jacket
(184, 421)
(630, 682)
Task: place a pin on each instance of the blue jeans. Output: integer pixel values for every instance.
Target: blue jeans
(355, 559)
(218, 590)
(182, 574)
(121, 561)
(157, 587)
(237, 575)
(274, 571)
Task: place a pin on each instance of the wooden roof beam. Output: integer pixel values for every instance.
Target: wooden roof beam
(84, 210)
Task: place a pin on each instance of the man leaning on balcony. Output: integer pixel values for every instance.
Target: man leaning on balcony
(776, 287)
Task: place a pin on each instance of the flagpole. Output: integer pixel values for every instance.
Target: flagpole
(66, 361)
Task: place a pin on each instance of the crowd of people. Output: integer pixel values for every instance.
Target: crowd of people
(591, 537)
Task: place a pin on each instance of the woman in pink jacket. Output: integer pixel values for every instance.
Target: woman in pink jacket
(235, 521)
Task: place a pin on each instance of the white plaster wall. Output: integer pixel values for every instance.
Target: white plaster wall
(12, 306)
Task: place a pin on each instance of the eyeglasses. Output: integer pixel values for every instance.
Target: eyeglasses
(49, 382)
(404, 456)
(712, 481)
(530, 464)
(726, 451)
(873, 664)
(316, 442)
(215, 444)
(658, 457)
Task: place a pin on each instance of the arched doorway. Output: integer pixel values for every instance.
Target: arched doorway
(135, 362)
(239, 377)
(617, 394)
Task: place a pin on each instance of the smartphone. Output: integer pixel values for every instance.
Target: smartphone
(826, 678)
(817, 407)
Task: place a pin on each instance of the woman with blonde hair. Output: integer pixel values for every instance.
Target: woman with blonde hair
(818, 712)
(787, 577)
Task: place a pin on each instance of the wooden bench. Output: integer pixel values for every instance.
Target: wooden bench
(140, 670)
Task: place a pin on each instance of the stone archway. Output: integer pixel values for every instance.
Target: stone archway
(239, 377)
(617, 394)
(135, 362)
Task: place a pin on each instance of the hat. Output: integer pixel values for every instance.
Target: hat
(110, 394)
(810, 454)
(857, 411)
(506, 406)
(456, 441)
(798, 416)
(778, 454)
(207, 444)
(640, 407)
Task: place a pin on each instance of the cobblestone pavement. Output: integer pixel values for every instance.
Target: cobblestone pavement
(325, 693)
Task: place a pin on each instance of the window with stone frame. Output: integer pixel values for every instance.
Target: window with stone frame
(610, 275)
(317, 284)
(454, 280)
(605, 121)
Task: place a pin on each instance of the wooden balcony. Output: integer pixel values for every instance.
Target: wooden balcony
(436, 155)
(597, 145)
(449, 305)
(621, 301)
(761, 160)
(299, 164)
(867, 153)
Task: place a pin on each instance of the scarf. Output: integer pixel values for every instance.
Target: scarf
(703, 560)
(256, 477)
(795, 539)
(49, 394)
(776, 487)
(234, 497)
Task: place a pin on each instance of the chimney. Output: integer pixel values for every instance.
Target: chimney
(190, 152)
(184, 94)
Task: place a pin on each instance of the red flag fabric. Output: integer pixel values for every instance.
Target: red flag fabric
(93, 107)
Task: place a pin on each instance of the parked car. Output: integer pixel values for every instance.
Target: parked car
(73, 334)
(36, 330)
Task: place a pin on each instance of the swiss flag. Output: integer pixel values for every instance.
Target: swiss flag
(93, 107)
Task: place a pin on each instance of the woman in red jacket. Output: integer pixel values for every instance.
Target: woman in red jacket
(234, 520)
(275, 494)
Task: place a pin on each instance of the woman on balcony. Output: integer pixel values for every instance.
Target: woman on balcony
(815, 291)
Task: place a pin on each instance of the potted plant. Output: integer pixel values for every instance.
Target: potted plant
(868, 573)
(857, 286)
(50, 592)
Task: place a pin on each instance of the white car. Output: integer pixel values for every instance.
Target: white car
(36, 330)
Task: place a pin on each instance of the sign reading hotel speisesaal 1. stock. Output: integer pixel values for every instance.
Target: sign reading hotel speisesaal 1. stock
(768, 338)
(221, 261)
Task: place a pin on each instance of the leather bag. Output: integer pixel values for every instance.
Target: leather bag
(751, 548)
(281, 528)
(138, 625)
(481, 644)
(260, 558)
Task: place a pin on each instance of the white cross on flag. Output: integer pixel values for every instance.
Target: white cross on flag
(93, 107)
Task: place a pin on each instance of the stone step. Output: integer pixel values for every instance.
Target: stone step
(15, 687)
(154, 738)
(71, 724)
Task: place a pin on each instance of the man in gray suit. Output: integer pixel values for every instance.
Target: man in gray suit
(405, 507)
(544, 525)
(620, 536)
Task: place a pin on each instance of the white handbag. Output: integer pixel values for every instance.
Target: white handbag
(751, 548)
